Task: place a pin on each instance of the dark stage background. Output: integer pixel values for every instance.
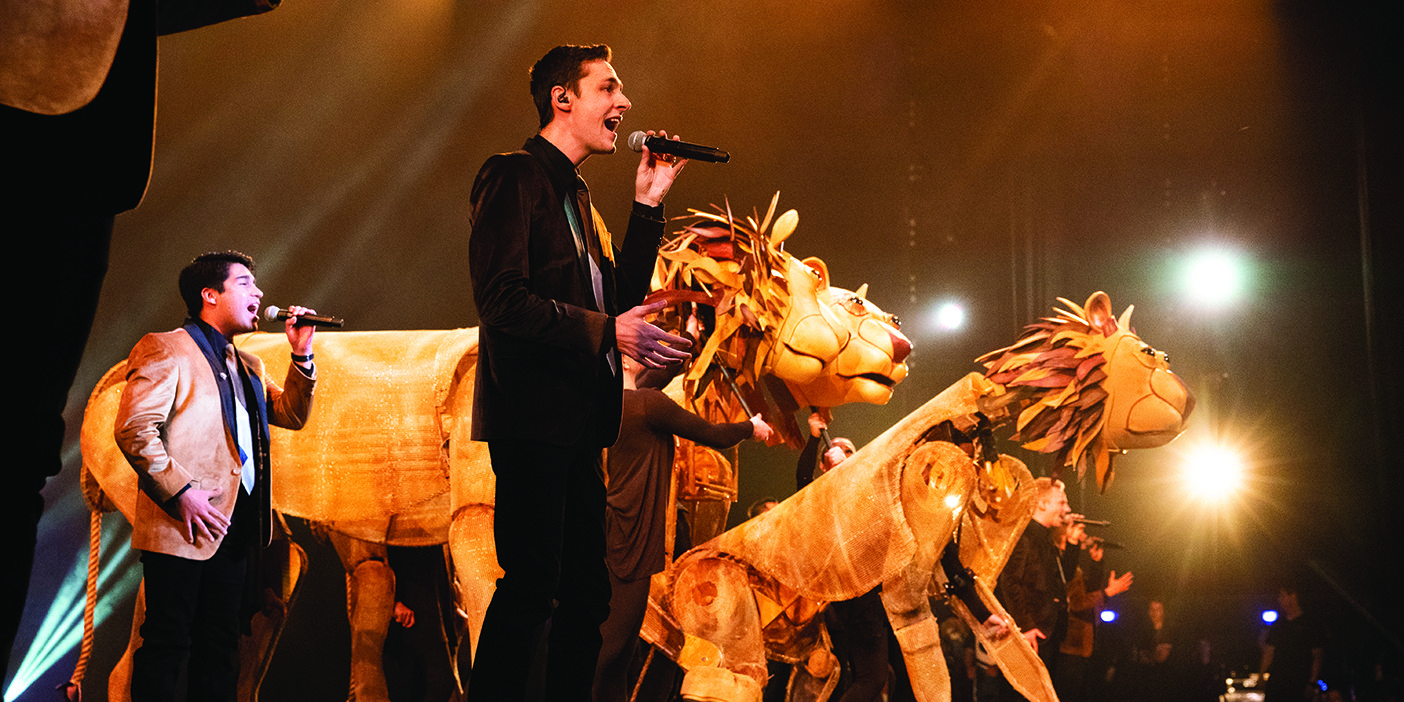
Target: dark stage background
(999, 154)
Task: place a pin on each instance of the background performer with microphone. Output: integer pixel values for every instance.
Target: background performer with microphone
(557, 304)
(193, 423)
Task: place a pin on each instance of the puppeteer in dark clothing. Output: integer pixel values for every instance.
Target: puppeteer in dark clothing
(640, 473)
(1296, 643)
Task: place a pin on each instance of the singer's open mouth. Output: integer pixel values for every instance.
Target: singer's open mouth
(612, 123)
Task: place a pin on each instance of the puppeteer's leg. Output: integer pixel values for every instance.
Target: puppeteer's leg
(707, 518)
(370, 601)
(815, 678)
(119, 681)
(282, 566)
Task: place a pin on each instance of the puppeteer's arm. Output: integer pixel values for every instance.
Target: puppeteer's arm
(664, 414)
(961, 582)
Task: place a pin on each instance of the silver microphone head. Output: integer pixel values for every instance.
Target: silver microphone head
(271, 314)
(636, 140)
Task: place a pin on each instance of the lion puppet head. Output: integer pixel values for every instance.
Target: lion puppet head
(1088, 386)
(775, 328)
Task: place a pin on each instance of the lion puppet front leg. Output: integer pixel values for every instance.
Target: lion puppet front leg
(723, 658)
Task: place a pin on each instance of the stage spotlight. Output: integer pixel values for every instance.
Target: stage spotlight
(1269, 616)
(1108, 615)
(1214, 278)
(1213, 473)
(949, 316)
(61, 631)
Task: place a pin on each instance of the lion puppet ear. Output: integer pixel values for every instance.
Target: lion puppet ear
(1099, 313)
(820, 269)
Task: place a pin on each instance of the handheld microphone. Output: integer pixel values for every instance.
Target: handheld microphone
(1091, 522)
(274, 314)
(1106, 545)
(682, 149)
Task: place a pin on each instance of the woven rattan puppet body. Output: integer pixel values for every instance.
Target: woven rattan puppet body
(1079, 385)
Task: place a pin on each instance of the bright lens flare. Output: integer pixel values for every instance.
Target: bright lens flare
(949, 316)
(1214, 278)
(1213, 473)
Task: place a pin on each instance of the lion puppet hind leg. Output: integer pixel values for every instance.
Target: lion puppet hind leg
(475, 569)
(723, 657)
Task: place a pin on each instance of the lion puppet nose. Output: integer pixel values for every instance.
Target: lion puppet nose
(901, 346)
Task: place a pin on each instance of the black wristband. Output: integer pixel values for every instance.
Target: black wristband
(302, 359)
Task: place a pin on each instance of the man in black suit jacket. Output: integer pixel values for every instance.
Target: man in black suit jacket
(557, 304)
(1032, 586)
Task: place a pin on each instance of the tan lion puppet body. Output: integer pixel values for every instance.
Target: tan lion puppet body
(386, 458)
(1080, 385)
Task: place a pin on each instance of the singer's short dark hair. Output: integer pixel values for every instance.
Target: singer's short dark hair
(563, 66)
(208, 270)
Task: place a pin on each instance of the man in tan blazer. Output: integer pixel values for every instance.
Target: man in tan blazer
(193, 423)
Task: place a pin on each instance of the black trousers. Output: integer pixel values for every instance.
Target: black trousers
(628, 603)
(417, 662)
(69, 258)
(192, 612)
(859, 630)
(549, 531)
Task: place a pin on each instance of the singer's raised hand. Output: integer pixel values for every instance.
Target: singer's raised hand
(299, 336)
(1116, 586)
(656, 174)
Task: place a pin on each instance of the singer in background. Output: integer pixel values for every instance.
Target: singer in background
(1089, 588)
(1032, 586)
(557, 303)
(193, 423)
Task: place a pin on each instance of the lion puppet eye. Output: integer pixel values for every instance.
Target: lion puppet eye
(856, 306)
(1155, 355)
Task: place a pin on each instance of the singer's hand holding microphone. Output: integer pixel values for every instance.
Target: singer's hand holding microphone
(300, 323)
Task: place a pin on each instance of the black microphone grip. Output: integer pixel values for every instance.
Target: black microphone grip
(275, 314)
(681, 149)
